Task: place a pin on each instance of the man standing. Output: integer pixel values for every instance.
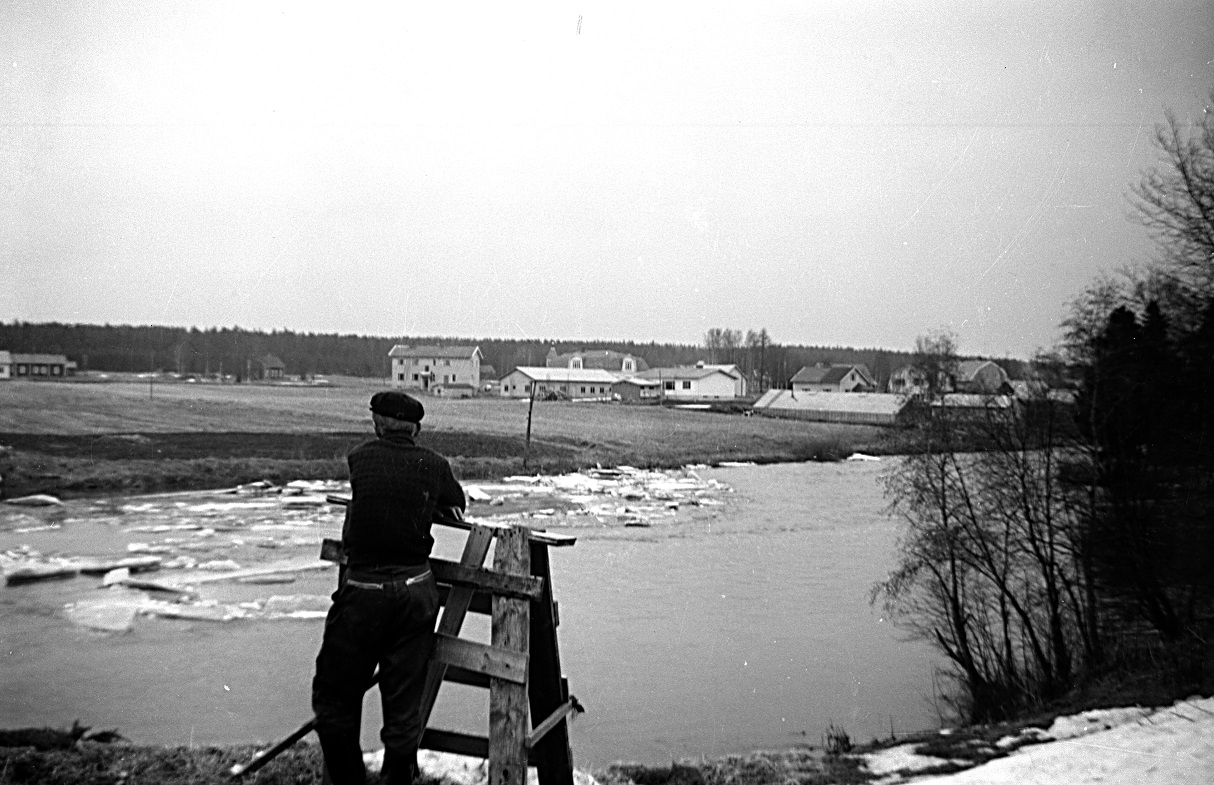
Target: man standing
(385, 606)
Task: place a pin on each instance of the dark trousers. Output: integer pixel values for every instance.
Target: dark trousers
(384, 621)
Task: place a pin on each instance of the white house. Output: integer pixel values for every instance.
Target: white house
(424, 367)
(6, 365)
(568, 382)
(36, 366)
(739, 384)
(693, 382)
(833, 378)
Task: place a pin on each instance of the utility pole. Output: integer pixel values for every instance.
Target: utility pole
(527, 444)
(151, 373)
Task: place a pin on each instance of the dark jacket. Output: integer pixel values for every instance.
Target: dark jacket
(396, 486)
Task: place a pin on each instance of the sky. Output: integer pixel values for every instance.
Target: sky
(838, 172)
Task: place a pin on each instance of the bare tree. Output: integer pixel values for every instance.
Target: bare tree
(1176, 201)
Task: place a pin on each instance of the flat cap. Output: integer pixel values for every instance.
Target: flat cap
(398, 406)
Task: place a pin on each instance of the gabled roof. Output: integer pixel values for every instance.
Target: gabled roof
(488, 371)
(270, 361)
(690, 372)
(441, 352)
(571, 375)
(639, 382)
(39, 359)
(829, 374)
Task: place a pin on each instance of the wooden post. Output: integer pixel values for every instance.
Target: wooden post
(527, 444)
(552, 755)
(508, 723)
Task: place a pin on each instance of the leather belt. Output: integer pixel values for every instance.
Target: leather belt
(408, 581)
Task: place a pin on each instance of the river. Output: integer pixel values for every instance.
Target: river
(739, 624)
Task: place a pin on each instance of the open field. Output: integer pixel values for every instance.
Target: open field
(79, 437)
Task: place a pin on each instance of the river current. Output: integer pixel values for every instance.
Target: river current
(738, 624)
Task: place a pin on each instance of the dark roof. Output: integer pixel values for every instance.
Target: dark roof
(682, 372)
(270, 361)
(606, 359)
(829, 374)
(39, 359)
(487, 370)
(449, 352)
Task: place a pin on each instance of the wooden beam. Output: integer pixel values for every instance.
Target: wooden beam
(458, 675)
(536, 535)
(481, 602)
(458, 743)
(494, 661)
(564, 710)
(547, 691)
(459, 599)
(508, 700)
(523, 587)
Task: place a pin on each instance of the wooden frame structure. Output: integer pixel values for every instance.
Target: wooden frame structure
(521, 666)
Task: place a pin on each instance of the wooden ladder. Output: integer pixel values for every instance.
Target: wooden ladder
(521, 666)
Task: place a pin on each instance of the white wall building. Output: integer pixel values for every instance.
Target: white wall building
(693, 382)
(568, 382)
(426, 367)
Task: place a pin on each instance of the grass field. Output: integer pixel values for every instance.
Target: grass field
(82, 437)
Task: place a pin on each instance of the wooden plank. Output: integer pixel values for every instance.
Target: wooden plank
(538, 535)
(523, 587)
(458, 743)
(508, 700)
(481, 602)
(547, 691)
(459, 598)
(564, 710)
(494, 661)
(458, 675)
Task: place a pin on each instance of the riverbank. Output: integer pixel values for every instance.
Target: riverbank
(1171, 744)
(106, 438)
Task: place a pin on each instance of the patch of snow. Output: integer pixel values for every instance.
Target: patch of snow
(1172, 745)
(900, 758)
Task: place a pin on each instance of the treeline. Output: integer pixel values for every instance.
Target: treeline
(1072, 553)
(236, 352)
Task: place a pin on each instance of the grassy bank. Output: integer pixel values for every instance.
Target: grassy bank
(77, 438)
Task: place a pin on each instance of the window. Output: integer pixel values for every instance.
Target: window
(426, 368)
(576, 362)
(668, 385)
(400, 377)
(687, 385)
(584, 388)
(446, 362)
(444, 378)
(414, 377)
(526, 388)
(629, 365)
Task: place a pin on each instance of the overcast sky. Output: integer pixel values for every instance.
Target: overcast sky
(851, 173)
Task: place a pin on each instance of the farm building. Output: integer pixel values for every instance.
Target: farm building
(603, 359)
(634, 390)
(567, 382)
(34, 366)
(979, 377)
(833, 378)
(856, 408)
(693, 382)
(272, 367)
(423, 367)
